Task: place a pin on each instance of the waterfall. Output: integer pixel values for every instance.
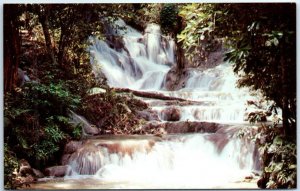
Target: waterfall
(144, 61)
(189, 161)
(141, 64)
(199, 160)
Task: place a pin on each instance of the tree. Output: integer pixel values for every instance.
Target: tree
(43, 12)
(197, 37)
(265, 51)
(11, 45)
(171, 23)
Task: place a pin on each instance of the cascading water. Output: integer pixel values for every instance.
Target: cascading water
(199, 160)
(142, 63)
(190, 161)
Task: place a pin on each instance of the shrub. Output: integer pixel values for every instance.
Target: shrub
(279, 158)
(37, 123)
(10, 165)
(112, 112)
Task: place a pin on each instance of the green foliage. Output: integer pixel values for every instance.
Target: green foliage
(112, 113)
(197, 36)
(77, 131)
(52, 97)
(261, 42)
(150, 12)
(259, 47)
(37, 119)
(52, 131)
(10, 165)
(278, 155)
(36, 114)
(45, 149)
(168, 18)
(279, 158)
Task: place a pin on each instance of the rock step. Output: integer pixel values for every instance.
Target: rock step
(154, 103)
(152, 95)
(183, 127)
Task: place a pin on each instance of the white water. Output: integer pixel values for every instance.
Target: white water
(142, 66)
(186, 161)
(145, 63)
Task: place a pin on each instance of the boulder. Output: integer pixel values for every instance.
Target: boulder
(219, 140)
(152, 127)
(87, 160)
(24, 182)
(91, 129)
(183, 127)
(171, 114)
(57, 171)
(38, 173)
(96, 91)
(72, 146)
(65, 159)
(176, 80)
(87, 127)
(148, 115)
(192, 127)
(25, 168)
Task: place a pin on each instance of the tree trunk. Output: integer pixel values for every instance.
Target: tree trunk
(285, 103)
(61, 47)
(11, 46)
(154, 95)
(180, 59)
(66, 28)
(43, 18)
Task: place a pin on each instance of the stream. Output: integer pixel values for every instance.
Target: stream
(207, 159)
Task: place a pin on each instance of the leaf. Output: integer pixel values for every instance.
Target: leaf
(278, 167)
(278, 140)
(292, 166)
(275, 41)
(202, 37)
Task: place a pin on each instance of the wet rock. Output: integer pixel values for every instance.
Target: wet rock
(56, 171)
(171, 114)
(129, 149)
(191, 127)
(72, 146)
(91, 129)
(65, 159)
(151, 128)
(87, 127)
(115, 42)
(249, 177)
(148, 115)
(81, 159)
(213, 56)
(262, 182)
(178, 127)
(183, 127)
(176, 80)
(219, 140)
(38, 173)
(24, 181)
(21, 77)
(96, 91)
(160, 132)
(25, 168)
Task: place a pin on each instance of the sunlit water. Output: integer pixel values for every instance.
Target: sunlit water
(181, 161)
